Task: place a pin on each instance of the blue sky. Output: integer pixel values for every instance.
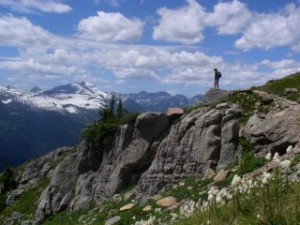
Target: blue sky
(153, 45)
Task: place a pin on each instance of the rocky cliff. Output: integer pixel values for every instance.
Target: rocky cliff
(154, 152)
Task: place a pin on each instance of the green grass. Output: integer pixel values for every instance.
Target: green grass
(189, 188)
(27, 204)
(296, 160)
(274, 203)
(246, 100)
(277, 86)
(64, 218)
(249, 162)
(107, 210)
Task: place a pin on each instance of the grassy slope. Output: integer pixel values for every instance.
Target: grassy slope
(27, 204)
(277, 86)
(274, 203)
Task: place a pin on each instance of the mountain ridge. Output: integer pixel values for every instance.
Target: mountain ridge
(44, 116)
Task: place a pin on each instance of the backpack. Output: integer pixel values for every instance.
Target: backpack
(219, 75)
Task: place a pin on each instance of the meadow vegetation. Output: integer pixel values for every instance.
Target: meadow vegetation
(278, 87)
(27, 204)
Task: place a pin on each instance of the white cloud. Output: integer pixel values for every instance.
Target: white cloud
(281, 68)
(31, 66)
(110, 27)
(282, 64)
(45, 55)
(267, 31)
(183, 25)
(21, 32)
(29, 6)
(114, 3)
(229, 17)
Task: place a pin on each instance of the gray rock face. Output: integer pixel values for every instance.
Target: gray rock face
(83, 177)
(276, 130)
(215, 95)
(33, 171)
(152, 152)
(205, 138)
(58, 194)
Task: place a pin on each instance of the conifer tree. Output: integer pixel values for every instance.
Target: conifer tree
(120, 109)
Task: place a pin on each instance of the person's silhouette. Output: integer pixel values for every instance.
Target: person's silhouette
(217, 77)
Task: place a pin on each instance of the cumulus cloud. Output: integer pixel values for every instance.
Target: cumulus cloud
(267, 31)
(110, 27)
(31, 66)
(281, 68)
(43, 54)
(29, 6)
(20, 31)
(230, 17)
(282, 64)
(183, 25)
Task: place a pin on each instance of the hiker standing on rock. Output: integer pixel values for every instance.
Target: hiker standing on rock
(217, 77)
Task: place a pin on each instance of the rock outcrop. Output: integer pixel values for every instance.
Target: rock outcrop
(81, 178)
(275, 130)
(153, 152)
(203, 139)
(215, 95)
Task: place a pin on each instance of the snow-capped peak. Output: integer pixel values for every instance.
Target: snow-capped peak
(69, 98)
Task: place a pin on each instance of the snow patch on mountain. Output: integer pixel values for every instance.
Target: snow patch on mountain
(69, 98)
(7, 101)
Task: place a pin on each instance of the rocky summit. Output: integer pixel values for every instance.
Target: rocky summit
(154, 152)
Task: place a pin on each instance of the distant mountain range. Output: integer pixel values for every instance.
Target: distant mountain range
(160, 101)
(36, 122)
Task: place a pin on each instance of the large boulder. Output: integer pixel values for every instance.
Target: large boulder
(215, 95)
(138, 155)
(288, 91)
(277, 129)
(205, 138)
(57, 196)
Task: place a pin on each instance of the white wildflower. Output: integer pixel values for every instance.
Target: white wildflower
(213, 190)
(174, 217)
(268, 156)
(255, 184)
(210, 197)
(276, 158)
(219, 200)
(285, 164)
(236, 180)
(266, 178)
(289, 150)
(222, 193)
(157, 210)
